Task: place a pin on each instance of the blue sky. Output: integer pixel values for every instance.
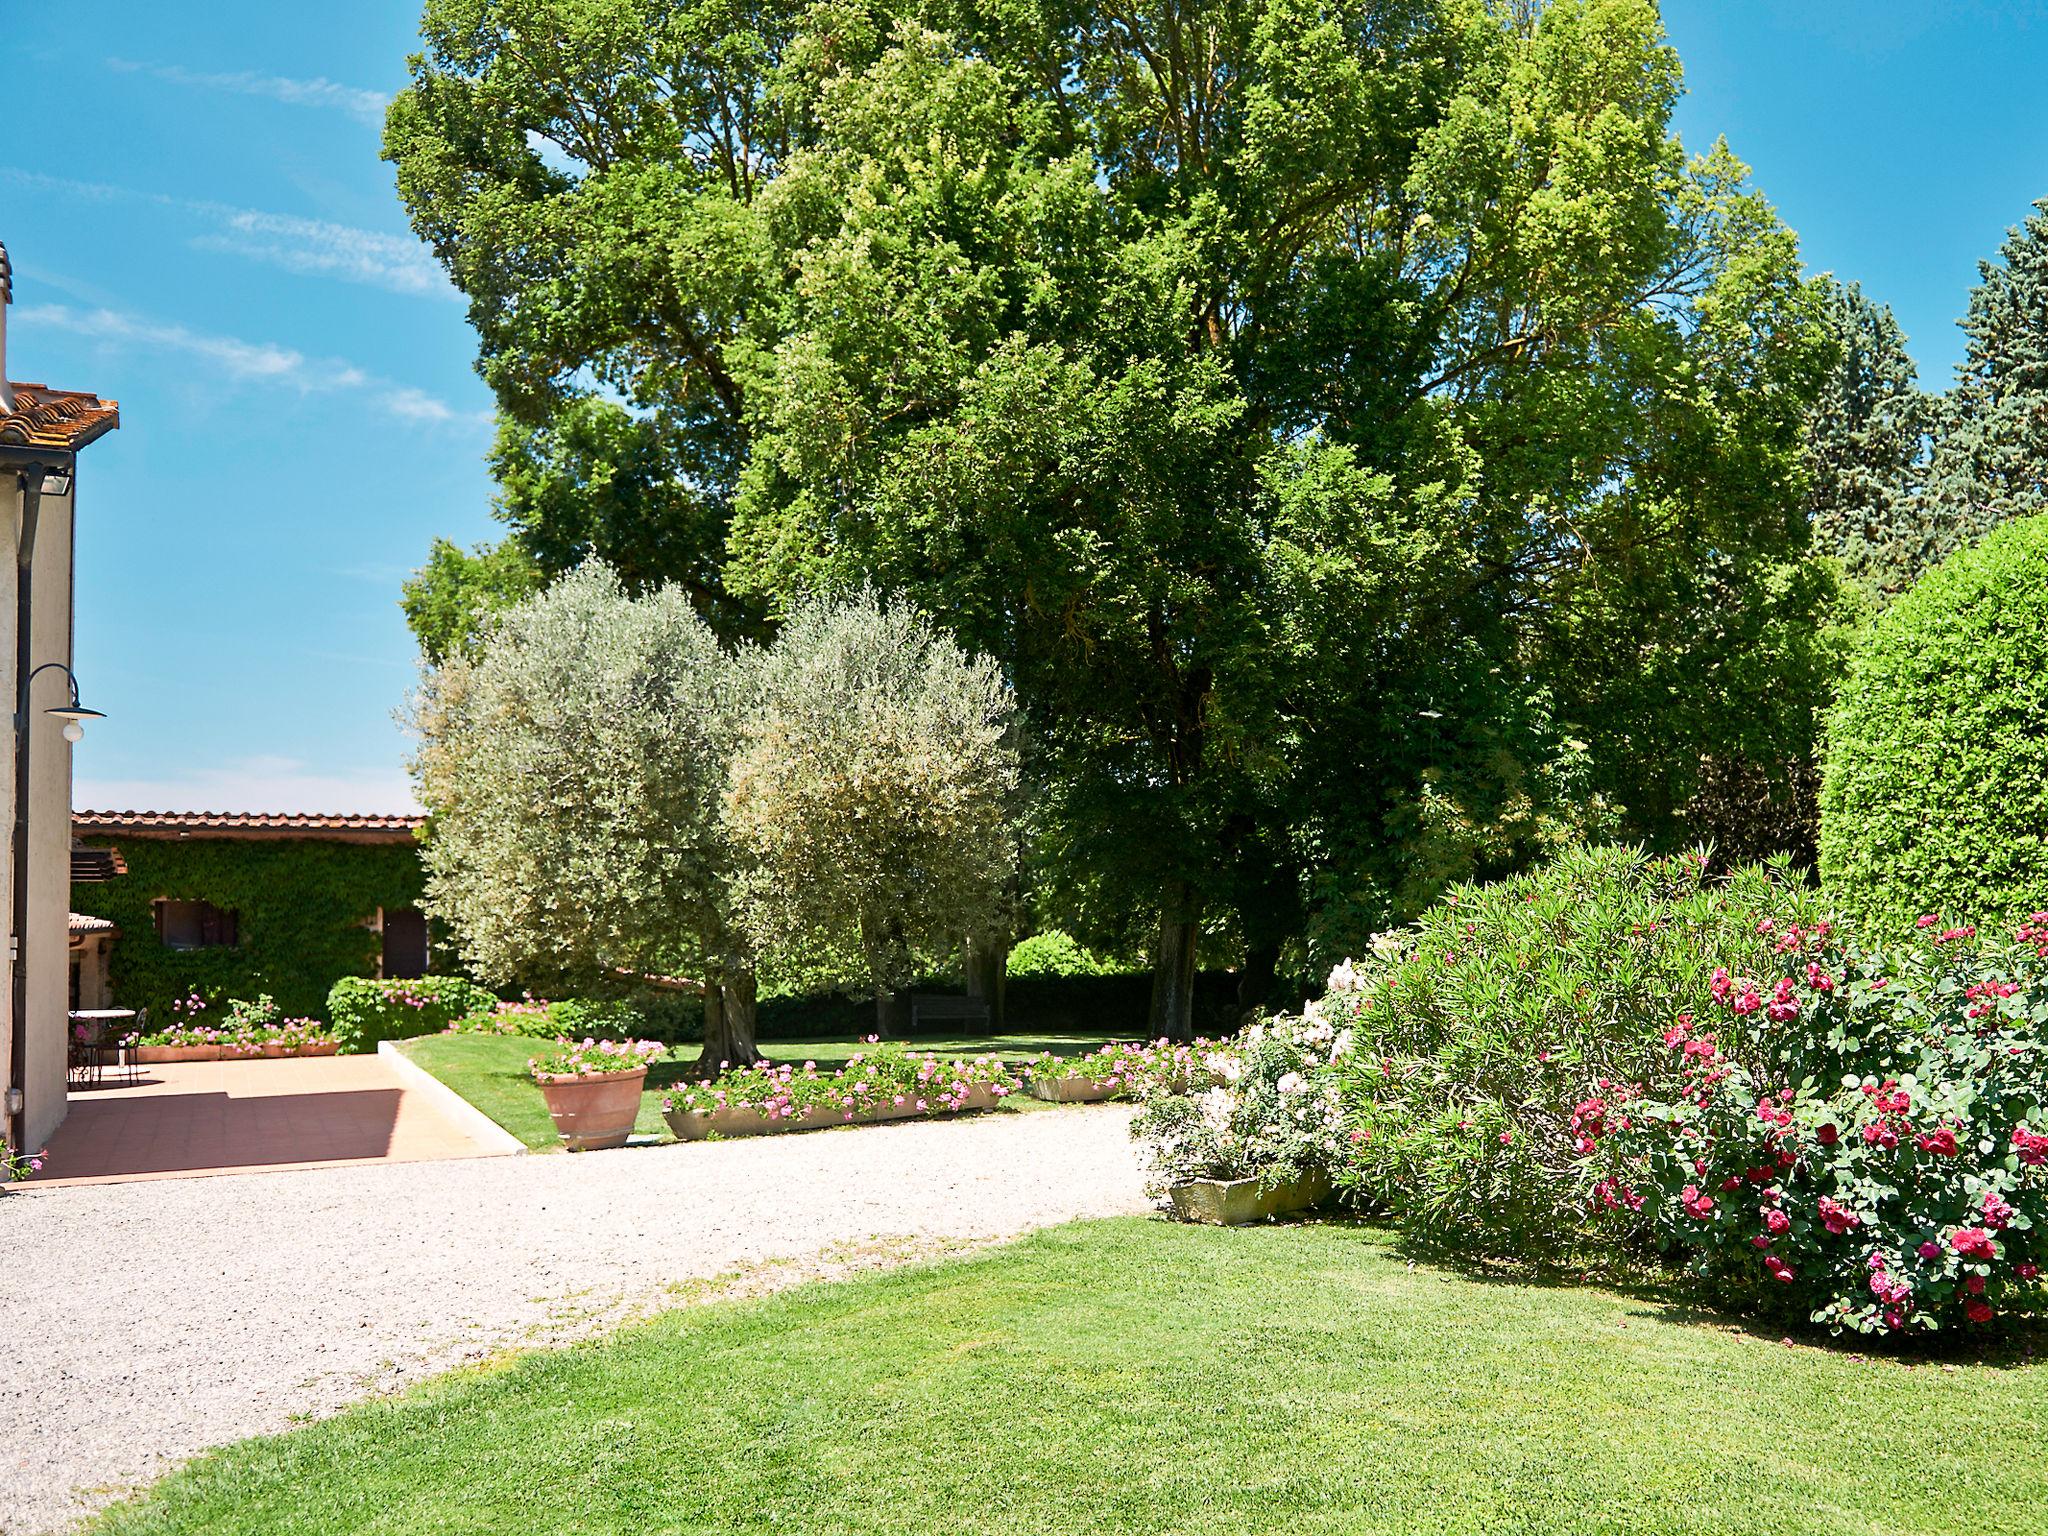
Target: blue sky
(202, 229)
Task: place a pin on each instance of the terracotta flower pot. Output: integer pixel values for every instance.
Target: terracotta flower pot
(319, 1048)
(274, 1050)
(594, 1111)
(159, 1055)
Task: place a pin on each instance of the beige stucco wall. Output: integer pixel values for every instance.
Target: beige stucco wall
(48, 936)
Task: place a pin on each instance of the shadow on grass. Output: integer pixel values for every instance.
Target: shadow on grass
(1667, 1296)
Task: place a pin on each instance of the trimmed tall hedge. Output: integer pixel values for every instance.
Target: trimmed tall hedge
(1936, 792)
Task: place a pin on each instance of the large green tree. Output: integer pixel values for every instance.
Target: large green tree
(1991, 456)
(874, 792)
(575, 761)
(1867, 446)
(1356, 428)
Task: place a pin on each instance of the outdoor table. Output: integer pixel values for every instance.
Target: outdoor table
(90, 1053)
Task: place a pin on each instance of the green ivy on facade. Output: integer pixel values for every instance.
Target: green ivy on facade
(301, 904)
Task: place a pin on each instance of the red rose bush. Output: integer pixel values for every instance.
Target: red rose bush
(1855, 1135)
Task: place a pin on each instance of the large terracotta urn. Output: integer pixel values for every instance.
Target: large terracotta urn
(593, 1110)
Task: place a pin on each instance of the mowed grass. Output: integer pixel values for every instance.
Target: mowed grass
(490, 1070)
(1141, 1377)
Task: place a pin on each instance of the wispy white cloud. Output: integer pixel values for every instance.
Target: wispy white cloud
(364, 106)
(318, 248)
(249, 362)
(311, 247)
(277, 785)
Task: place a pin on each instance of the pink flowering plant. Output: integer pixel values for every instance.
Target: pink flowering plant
(1132, 1070)
(246, 1025)
(15, 1166)
(885, 1077)
(1856, 1136)
(1478, 1034)
(590, 1057)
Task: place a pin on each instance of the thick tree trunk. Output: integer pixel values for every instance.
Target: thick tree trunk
(1173, 969)
(1255, 981)
(988, 973)
(892, 1012)
(729, 1022)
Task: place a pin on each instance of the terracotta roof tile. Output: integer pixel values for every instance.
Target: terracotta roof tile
(66, 419)
(345, 828)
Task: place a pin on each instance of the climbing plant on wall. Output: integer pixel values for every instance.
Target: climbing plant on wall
(300, 903)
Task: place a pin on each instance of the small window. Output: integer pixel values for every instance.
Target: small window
(195, 925)
(405, 944)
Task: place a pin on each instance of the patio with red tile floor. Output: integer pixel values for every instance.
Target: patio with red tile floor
(188, 1119)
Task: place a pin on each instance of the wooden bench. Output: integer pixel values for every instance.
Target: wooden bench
(971, 1013)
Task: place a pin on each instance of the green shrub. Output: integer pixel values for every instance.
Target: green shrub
(1936, 792)
(1054, 953)
(364, 1012)
(1855, 1137)
(1468, 1047)
(666, 1017)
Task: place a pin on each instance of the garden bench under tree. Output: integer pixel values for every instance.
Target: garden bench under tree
(971, 1013)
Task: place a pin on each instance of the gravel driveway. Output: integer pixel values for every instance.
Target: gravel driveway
(145, 1322)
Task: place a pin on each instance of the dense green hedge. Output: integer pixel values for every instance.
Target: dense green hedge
(1936, 792)
(365, 1012)
(300, 904)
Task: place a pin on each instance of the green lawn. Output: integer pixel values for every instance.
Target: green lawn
(1142, 1377)
(490, 1070)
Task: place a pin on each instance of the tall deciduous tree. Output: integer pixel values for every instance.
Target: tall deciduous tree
(874, 790)
(1346, 421)
(574, 764)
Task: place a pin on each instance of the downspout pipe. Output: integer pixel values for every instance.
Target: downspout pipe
(30, 481)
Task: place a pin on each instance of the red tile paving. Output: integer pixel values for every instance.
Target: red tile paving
(194, 1118)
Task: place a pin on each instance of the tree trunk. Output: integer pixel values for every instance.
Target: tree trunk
(1255, 981)
(729, 1021)
(1173, 969)
(892, 1011)
(988, 973)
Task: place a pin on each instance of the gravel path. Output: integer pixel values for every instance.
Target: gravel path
(141, 1323)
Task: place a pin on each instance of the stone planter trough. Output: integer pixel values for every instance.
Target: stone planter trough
(1234, 1202)
(1073, 1090)
(696, 1125)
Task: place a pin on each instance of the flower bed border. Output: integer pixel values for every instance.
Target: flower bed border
(1075, 1090)
(164, 1055)
(737, 1120)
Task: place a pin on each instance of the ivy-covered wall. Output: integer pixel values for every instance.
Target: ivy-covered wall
(301, 905)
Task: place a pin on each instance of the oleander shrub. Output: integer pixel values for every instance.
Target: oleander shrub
(1855, 1136)
(1936, 790)
(1472, 1038)
(364, 1013)
(1053, 953)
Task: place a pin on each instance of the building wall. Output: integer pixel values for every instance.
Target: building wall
(47, 933)
(306, 914)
